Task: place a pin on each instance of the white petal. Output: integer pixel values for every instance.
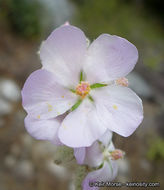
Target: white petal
(107, 173)
(43, 129)
(79, 154)
(93, 156)
(63, 53)
(43, 97)
(82, 126)
(106, 138)
(110, 57)
(120, 109)
(111, 147)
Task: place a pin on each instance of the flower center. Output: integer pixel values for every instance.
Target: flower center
(83, 89)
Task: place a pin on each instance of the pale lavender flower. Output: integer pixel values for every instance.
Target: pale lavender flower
(83, 82)
(102, 157)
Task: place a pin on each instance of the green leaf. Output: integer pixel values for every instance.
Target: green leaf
(76, 105)
(81, 76)
(97, 85)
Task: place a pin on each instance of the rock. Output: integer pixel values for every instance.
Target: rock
(10, 161)
(9, 90)
(15, 150)
(43, 150)
(24, 169)
(71, 186)
(27, 141)
(59, 171)
(139, 85)
(5, 107)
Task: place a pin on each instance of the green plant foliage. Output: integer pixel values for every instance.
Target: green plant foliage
(153, 62)
(156, 150)
(23, 16)
(63, 156)
(80, 174)
(116, 17)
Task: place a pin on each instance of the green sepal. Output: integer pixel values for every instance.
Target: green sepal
(72, 90)
(100, 166)
(81, 76)
(90, 98)
(97, 85)
(76, 105)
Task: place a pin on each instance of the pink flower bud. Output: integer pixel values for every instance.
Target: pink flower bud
(117, 154)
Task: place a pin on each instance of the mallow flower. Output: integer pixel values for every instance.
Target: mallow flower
(102, 157)
(84, 82)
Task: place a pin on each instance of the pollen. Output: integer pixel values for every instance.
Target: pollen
(62, 96)
(64, 127)
(83, 89)
(115, 107)
(122, 81)
(50, 108)
(38, 117)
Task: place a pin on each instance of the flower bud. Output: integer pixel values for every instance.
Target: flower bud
(117, 154)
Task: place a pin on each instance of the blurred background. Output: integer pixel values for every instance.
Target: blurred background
(26, 163)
